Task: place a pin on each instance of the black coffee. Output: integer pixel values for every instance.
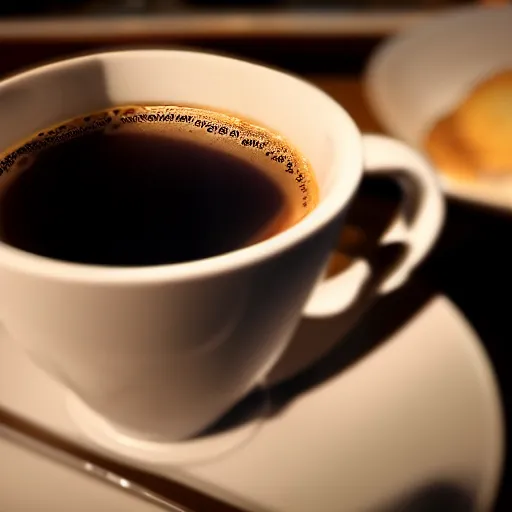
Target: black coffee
(150, 185)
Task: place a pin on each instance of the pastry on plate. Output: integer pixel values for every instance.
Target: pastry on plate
(476, 138)
(447, 151)
(484, 123)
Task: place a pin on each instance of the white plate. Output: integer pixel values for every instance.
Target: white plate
(419, 75)
(418, 415)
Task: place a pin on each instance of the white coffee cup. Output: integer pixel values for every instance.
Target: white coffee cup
(160, 352)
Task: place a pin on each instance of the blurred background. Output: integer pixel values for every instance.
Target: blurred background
(97, 7)
(300, 35)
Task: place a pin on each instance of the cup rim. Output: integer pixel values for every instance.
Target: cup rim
(349, 158)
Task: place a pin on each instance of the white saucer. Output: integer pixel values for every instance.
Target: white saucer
(194, 451)
(418, 417)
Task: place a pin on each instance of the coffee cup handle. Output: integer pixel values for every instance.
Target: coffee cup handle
(386, 156)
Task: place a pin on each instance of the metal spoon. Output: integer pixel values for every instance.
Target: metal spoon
(37, 439)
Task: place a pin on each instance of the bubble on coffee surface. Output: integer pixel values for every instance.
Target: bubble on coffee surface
(231, 134)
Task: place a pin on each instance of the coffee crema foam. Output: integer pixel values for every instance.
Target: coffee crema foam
(231, 134)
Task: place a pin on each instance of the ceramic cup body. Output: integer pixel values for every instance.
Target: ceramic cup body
(161, 352)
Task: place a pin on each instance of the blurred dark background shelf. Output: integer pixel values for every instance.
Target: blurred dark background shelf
(78, 7)
(302, 36)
